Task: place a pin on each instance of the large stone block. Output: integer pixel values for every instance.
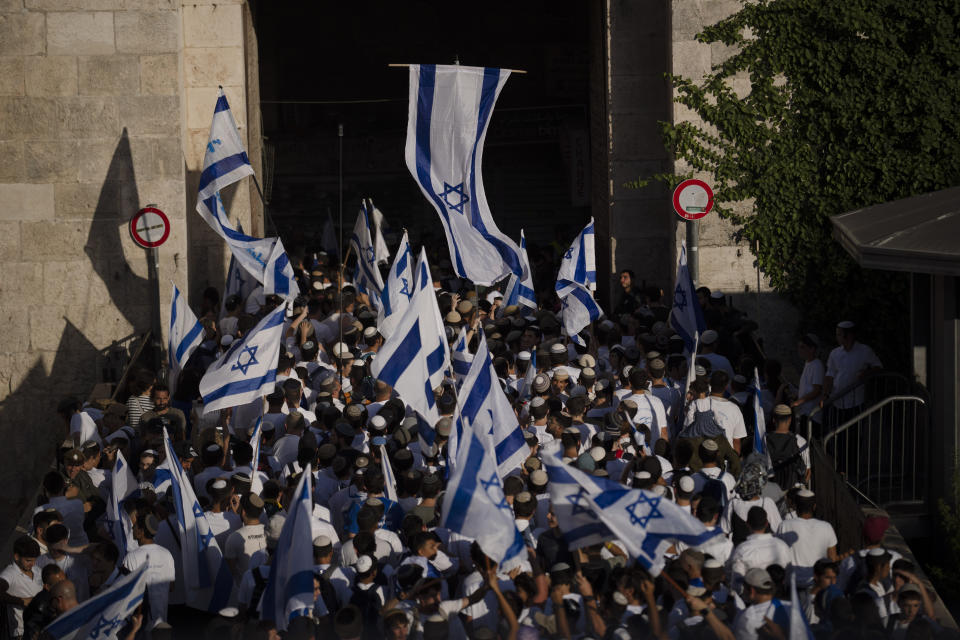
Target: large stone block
(213, 67)
(26, 202)
(144, 115)
(202, 100)
(9, 241)
(212, 26)
(16, 332)
(88, 33)
(86, 199)
(87, 118)
(168, 157)
(167, 195)
(43, 241)
(75, 5)
(109, 75)
(51, 76)
(28, 118)
(51, 160)
(11, 5)
(148, 31)
(11, 161)
(159, 74)
(11, 76)
(691, 60)
(21, 34)
(19, 282)
(75, 280)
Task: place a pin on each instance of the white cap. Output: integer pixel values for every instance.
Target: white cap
(219, 483)
(342, 352)
(845, 324)
(709, 337)
(687, 485)
(716, 295)
(322, 541)
(598, 453)
(226, 340)
(805, 493)
(523, 355)
(364, 564)
(378, 423)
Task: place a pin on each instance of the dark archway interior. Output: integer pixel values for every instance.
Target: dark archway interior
(325, 64)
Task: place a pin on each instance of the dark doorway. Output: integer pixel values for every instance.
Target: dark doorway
(324, 64)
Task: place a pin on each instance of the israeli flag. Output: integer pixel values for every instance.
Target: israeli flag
(413, 360)
(398, 290)
(520, 287)
(103, 616)
(224, 163)
(367, 276)
(380, 249)
(449, 112)
(485, 409)
(474, 504)
(692, 369)
(460, 357)
(759, 421)
(122, 485)
(570, 489)
(289, 592)
(799, 627)
(686, 317)
(576, 281)
(248, 369)
(239, 282)
(526, 385)
(206, 576)
(186, 334)
(256, 482)
(389, 479)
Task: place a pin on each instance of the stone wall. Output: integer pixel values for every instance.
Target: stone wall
(105, 107)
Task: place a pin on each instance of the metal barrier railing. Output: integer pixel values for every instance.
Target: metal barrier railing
(882, 453)
(873, 388)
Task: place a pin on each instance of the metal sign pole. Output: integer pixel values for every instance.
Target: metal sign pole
(156, 330)
(693, 255)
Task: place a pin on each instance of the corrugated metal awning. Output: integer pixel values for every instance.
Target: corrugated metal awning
(920, 234)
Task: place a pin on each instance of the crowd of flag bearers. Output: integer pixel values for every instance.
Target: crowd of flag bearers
(398, 446)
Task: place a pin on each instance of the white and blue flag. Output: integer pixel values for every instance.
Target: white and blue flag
(248, 369)
(206, 576)
(367, 276)
(186, 334)
(122, 485)
(239, 282)
(570, 489)
(576, 282)
(799, 627)
(103, 616)
(759, 421)
(414, 359)
(520, 287)
(460, 357)
(289, 592)
(485, 409)
(686, 317)
(380, 249)
(398, 291)
(224, 163)
(474, 504)
(449, 112)
(256, 481)
(389, 479)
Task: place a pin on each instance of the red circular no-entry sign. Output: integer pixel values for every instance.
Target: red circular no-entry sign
(692, 199)
(149, 227)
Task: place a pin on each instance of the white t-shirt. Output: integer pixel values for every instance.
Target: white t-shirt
(844, 367)
(809, 540)
(758, 551)
(21, 586)
(160, 573)
(706, 474)
(650, 411)
(75, 567)
(742, 507)
(726, 413)
(812, 375)
(242, 544)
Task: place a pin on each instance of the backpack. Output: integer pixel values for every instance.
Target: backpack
(715, 488)
(704, 424)
(788, 466)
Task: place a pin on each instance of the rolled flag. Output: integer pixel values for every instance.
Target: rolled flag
(367, 276)
(256, 482)
(692, 370)
(390, 480)
(398, 290)
(413, 360)
(526, 386)
(186, 334)
(380, 249)
(206, 576)
(474, 503)
(759, 421)
(225, 162)
(686, 317)
(799, 627)
(239, 282)
(122, 485)
(449, 112)
(460, 357)
(485, 409)
(103, 616)
(520, 290)
(576, 281)
(289, 591)
(248, 369)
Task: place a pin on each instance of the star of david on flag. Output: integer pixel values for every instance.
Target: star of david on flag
(366, 275)
(576, 281)
(398, 290)
(239, 376)
(450, 109)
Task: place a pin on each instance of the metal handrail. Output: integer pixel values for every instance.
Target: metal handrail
(849, 423)
(871, 377)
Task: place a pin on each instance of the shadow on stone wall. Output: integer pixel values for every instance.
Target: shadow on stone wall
(31, 428)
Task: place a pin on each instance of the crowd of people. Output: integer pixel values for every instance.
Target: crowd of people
(620, 407)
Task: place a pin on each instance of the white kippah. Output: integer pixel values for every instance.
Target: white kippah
(523, 355)
(219, 484)
(687, 485)
(364, 564)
